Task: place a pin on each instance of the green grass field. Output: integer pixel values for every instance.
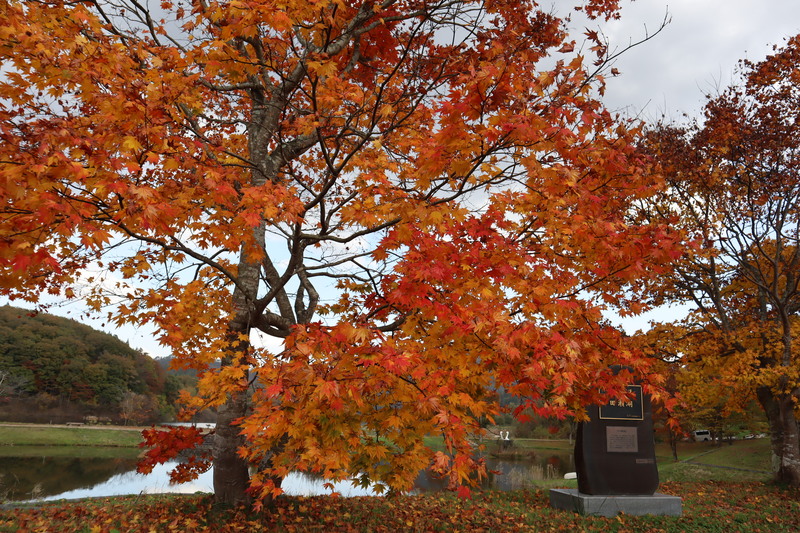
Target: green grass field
(20, 435)
(743, 461)
(94, 452)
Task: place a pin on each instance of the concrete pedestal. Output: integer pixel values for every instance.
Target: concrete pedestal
(590, 504)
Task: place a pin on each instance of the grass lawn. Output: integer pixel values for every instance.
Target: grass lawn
(748, 460)
(100, 452)
(20, 435)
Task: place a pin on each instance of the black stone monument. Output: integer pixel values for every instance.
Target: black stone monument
(615, 451)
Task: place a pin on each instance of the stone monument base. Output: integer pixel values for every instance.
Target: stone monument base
(592, 504)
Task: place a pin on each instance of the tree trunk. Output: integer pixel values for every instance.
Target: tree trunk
(673, 444)
(231, 476)
(231, 471)
(784, 435)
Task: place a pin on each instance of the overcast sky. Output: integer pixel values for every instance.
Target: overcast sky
(694, 55)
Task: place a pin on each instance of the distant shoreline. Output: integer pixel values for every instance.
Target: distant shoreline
(73, 426)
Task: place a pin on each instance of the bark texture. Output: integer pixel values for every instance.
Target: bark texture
(784, 435)
(231, 476)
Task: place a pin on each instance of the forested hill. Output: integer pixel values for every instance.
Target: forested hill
(53, 360)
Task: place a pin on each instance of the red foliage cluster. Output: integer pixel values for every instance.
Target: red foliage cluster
(167, 444)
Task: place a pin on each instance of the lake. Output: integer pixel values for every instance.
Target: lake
(51, 473)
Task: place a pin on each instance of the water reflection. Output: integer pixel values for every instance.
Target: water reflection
(24, 478)
(50, 478)
(506, 474)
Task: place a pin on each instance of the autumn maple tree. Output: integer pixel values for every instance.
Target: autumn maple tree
(422, 200)
(734, 179)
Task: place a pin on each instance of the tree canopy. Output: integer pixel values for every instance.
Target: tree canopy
(733, 180)
(422, 200)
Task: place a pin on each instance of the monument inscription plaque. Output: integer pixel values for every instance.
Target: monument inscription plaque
(632, 409)
(622, 439)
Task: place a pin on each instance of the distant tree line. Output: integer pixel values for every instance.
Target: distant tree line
(57, 367)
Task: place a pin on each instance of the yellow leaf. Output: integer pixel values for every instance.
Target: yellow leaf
(131, 144)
